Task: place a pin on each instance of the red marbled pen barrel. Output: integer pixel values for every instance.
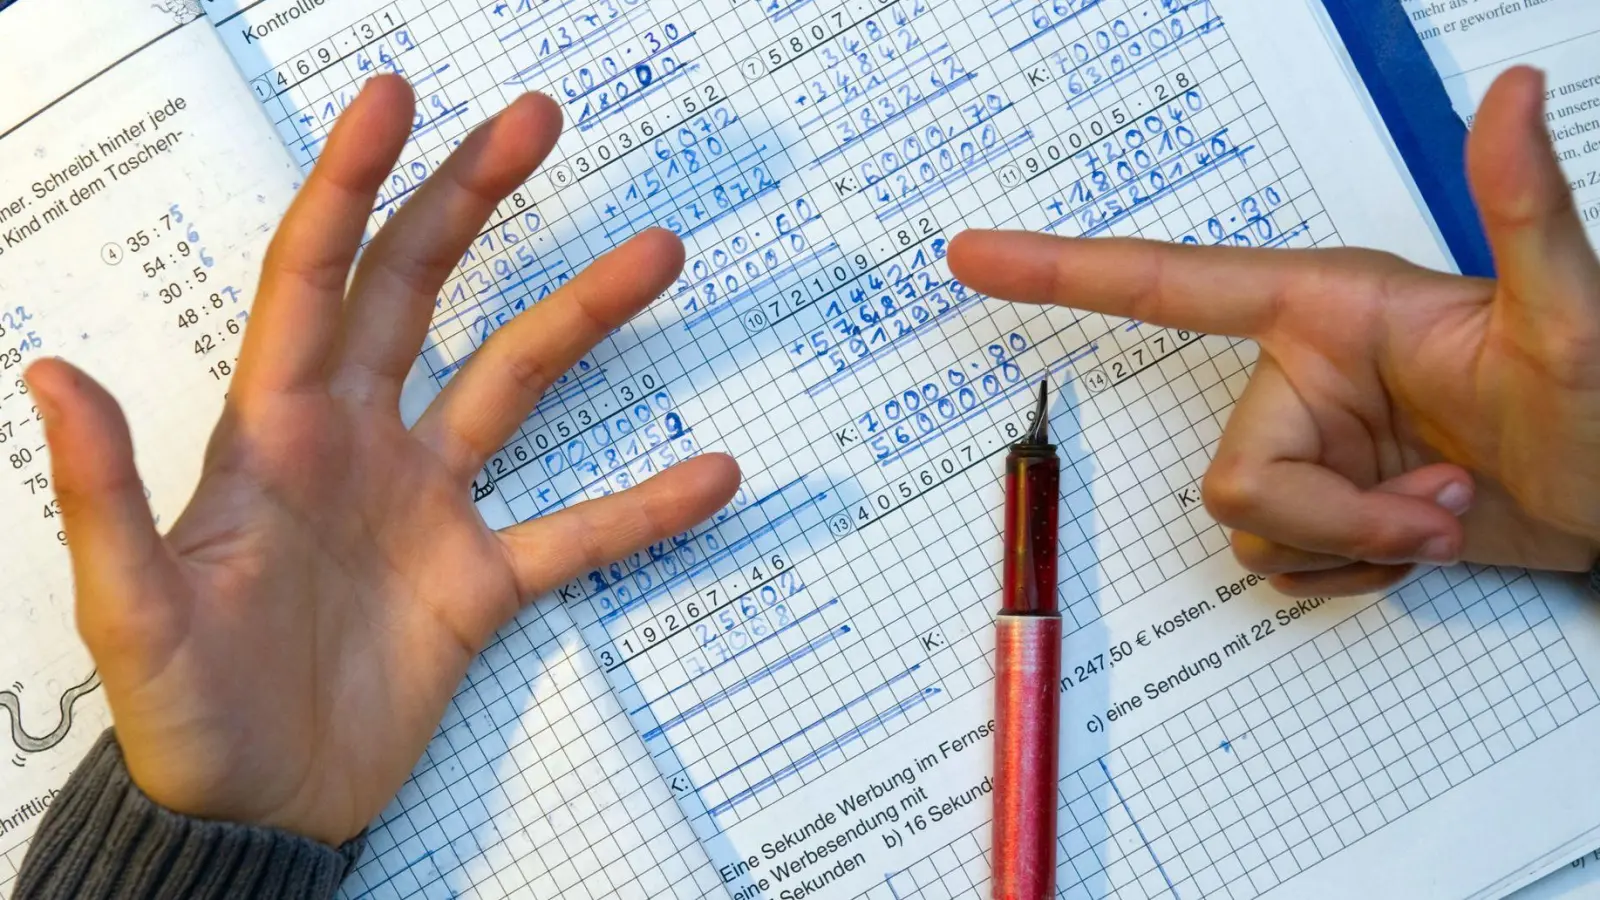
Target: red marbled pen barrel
(1028, 672)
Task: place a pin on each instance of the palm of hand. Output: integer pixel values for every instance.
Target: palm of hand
(1398, 369)
(337, 582)
(284, 654)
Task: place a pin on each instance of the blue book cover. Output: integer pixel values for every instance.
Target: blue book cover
(1406, 88)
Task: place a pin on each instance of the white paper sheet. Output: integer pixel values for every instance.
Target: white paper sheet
(139, 184)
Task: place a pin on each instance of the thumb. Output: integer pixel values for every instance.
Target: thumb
(1540, 248)
(109, 528)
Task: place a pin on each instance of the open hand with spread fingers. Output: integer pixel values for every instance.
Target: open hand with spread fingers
(283, 655)
(1396, 415)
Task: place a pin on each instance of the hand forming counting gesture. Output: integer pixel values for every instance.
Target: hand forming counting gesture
(1397, 415)
(283, 655)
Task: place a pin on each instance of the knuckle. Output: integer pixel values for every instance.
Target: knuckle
(1571, 355)
(73, 500)
(1232, 491)
(587, 319)
(80, 497)
(642, 523)
(1246, 550)
(476, 184)
(590, 544)
(293, 256)
(527, 373)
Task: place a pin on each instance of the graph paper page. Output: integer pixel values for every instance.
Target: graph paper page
(138, 189)
(802, 686)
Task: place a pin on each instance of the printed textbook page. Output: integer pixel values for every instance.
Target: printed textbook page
(808, 674)
(1472, 43)
(138, 188)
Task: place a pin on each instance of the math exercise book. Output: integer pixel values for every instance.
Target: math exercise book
(793, 699)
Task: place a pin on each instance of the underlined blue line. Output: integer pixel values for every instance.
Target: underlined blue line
(1139, 829)
(923, 191)
(430, 76)
(837, 374)
(1288, 236)
(646, 596)
(648, 703)
(827, 748)
(453, 366)
(841, 710)
(642, 93)
(1202, 28)
(652, 205)
(534, 21)
(730, 210)
(653, 55)
(728, 302)
(445, 116)
(858, 136)
(526, 74)
(1051, 27)
(788, 10)
(766, 671)
(566, 390)
(1194, 175)
(995, 12)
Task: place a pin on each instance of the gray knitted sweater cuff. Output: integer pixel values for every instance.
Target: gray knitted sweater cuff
(103, 838)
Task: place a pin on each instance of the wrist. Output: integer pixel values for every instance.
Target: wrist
(101, 821)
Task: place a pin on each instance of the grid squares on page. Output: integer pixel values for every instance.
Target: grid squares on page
(542, 800)
(1135, 570)
(1322, 746)
(10, 865)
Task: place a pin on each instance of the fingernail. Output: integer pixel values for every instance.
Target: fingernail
(1439, 550)
(1456, 497)
(41, 398)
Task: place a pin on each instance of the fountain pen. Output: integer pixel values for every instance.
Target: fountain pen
(1027, 671)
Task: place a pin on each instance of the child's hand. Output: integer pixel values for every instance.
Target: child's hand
(285, 653)
(1388, 399)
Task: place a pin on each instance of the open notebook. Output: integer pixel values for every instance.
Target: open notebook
(793, 700)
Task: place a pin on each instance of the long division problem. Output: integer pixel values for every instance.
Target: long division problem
(817, 156)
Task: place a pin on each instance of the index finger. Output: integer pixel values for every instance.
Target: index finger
(1220, 290)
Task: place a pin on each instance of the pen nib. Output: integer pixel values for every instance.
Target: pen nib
(1040, 437)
